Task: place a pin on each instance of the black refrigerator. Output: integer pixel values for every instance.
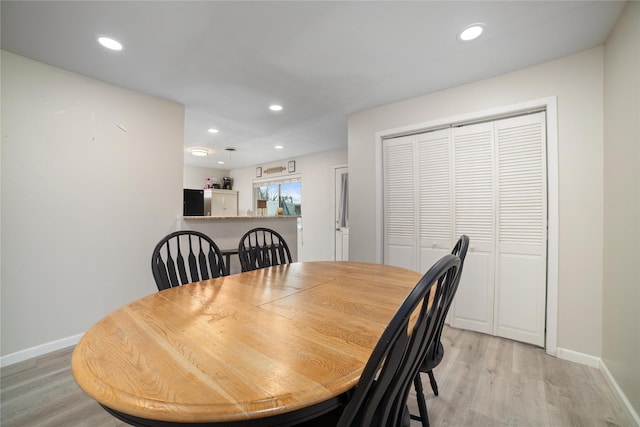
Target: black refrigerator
(192, 202)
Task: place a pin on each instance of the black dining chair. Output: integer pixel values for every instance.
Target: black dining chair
(380, 397)
(435, 352)
(185, 257)
(262, 247)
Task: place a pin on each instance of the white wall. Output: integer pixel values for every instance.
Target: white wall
(317, 172)
(621, 337)
(195, 177)
(83, 201)
(577, 81)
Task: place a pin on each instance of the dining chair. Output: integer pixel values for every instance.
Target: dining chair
(435, 352)
(262, 247)
(186, 256)
(380, 397)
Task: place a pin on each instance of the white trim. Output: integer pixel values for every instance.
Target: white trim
(335, 208)
(598, 363)
(379, 208)
(39, 350)
(553, 224)
(577, 357)
(550, 105)
(631, 413)
(278, 179)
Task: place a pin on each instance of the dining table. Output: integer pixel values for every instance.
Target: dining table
(274, 346)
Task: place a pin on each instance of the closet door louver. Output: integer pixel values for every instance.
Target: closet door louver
(400, 223)
(474, 214)
(522, 224)
(434, 196)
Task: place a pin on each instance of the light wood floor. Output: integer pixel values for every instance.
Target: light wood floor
(483, 381)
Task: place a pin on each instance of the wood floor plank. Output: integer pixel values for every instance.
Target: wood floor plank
(495, 375)
(483, 381)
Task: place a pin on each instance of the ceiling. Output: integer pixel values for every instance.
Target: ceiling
(227, 61)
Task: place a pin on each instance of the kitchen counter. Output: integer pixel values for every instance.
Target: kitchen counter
(227, 230)
(236, 218)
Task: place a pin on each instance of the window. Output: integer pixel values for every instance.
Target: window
(285, 194)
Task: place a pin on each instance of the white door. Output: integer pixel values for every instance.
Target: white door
(501, 203)
(522, 228)
(434, 197)
(473, 215)
(400, 195)
(488, 181)
(341, 252)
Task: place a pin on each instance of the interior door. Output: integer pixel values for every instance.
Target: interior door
(474, 194)
(400, 198)
(434, 197)
(522, 229)
(341, 181)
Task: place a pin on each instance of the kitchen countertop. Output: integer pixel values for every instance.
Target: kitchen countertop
(235, 218)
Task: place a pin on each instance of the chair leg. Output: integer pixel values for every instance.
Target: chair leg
(422, 404)
(434, 385)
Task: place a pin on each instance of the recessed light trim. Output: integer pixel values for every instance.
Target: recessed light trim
(220, 162)
(199, 152)
(471, 32)
(212, 130)
(279, 147)
(275, 107)
(110, 43)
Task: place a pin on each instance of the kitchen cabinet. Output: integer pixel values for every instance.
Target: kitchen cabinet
(221, 202)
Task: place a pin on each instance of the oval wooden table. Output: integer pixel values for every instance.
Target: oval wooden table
(267, 347)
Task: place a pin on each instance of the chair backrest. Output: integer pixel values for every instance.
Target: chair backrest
(262, 247)
(460, 250)
(185, 257)
(380, 397)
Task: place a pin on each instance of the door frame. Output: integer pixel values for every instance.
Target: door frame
(550, 105)
(335, 208)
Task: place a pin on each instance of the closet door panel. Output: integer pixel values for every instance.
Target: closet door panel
(522, 225)
(521, 304)
(400, 229)
(401, 256)
(474, 215)
(473, 304)
(434, 196)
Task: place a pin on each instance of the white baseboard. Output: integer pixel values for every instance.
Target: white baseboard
(596, 362)
(622, 398)
(581, 358)
(39, 350)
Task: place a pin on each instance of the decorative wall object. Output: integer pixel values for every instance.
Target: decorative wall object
(292, 166)
(258, 172)
(276, 169)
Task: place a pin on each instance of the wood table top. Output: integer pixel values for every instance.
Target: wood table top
(241, 347)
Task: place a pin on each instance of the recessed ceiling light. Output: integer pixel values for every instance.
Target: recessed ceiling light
(279, 147)
(221, 162)
(199, 152)
(110, 43)
(212, 130)
(275, 107)
(471, 32)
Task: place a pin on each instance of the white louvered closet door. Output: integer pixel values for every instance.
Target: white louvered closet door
(434, 196)
(522, 224)
(488, 181)
(400, 222)
(474, 195)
